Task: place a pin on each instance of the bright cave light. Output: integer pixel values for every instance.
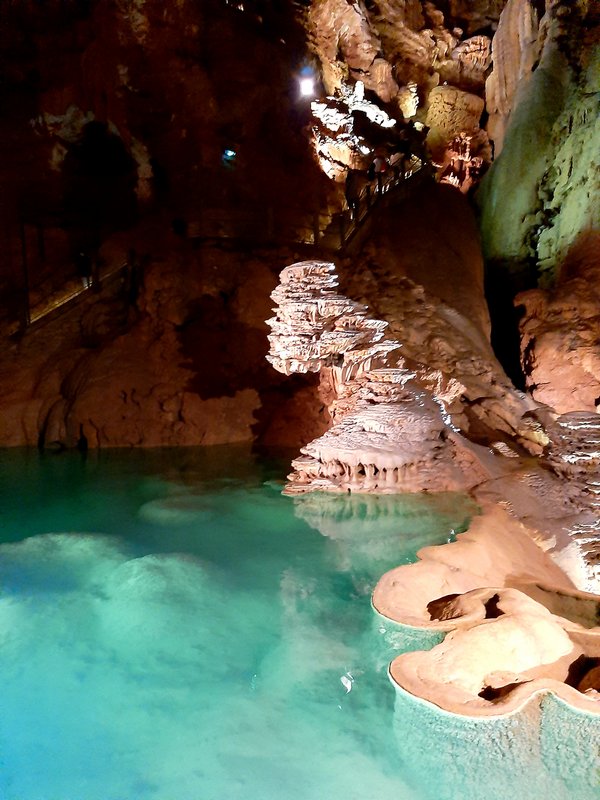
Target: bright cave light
(307, 87)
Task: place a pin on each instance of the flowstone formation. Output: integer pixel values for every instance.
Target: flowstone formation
(517, 627)
(517, 592)
(388, 433)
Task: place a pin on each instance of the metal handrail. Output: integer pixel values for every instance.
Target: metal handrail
(73, 290)
(348, 228)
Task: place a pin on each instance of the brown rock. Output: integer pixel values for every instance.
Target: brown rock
(591, 680)
(515, 49)
(450, 112)
(559, 348)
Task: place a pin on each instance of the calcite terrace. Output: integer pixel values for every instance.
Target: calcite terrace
(389, 434)
(516, 626)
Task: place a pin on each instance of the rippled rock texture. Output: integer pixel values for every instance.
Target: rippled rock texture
(390, 432)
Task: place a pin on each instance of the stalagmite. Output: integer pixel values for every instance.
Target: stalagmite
(382, 417)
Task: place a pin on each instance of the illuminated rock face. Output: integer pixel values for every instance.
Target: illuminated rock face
(559, 350)
(410, 57)
(389, 434)
(451, 111)
(546, 79)
(461, 169)
(515, 49)
(574, 452)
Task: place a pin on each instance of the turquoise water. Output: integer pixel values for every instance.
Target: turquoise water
(172, 628)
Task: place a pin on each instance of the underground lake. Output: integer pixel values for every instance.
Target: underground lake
(172, 626)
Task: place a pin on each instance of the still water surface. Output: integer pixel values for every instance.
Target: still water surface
(172, 628)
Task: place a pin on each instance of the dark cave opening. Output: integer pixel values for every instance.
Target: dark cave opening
(501, 289)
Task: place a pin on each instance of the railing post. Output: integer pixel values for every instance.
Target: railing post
(40, 241)
(95, 271)
(342, 229)
(25, 309)
(316, 230)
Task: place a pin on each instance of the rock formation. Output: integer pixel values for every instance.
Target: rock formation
(411, 59)
(515, 51)
(558, 326)
(532, 632)
(523, 624)
(389, 434)
(118, 147)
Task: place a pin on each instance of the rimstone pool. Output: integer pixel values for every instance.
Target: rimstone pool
(172, 628)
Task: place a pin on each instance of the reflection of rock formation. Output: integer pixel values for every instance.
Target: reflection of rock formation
(382, 529)
(389, 433)
(344, 516)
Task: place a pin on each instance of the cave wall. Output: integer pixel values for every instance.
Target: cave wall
(172, 87)
(538, 203)
(541, 192)
(178, 83)
(163, 90)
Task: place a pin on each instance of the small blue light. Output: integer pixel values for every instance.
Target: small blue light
(229, 153)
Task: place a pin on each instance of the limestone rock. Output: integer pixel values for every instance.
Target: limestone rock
(430, 291)
(467, 64)
(450, 112)
(337, 27)
(590, 681)
(496, 667)
(477, 13)
(388, 433)
(549, 161)
(559, 347)
(515, 50)
(519, 637)
(402, 51)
